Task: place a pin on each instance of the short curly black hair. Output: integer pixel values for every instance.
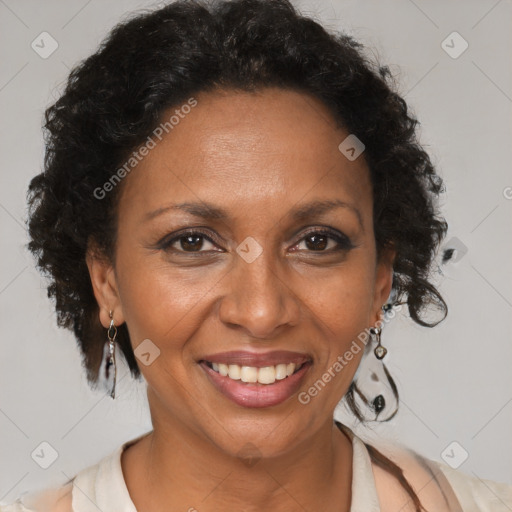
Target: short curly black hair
(115, 98)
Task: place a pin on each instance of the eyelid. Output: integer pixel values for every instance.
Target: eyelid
(340, 237)
(169, 240)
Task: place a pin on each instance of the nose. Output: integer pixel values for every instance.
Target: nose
(259, 300)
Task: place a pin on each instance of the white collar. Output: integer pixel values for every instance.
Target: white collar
(102, 487)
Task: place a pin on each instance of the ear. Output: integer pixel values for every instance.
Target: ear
(104, 284)
(383, 281)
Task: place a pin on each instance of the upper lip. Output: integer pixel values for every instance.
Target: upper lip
(258, 360)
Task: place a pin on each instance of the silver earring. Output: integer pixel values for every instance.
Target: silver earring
(373, 379)
(111, 357)
(379, 402)
(379, 350)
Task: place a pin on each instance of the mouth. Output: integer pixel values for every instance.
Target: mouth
(252, 374)
(256, 380)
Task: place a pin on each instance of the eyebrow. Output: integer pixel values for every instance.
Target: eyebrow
(209, 211)
(319, 207)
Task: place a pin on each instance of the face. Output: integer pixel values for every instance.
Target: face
(245, 239)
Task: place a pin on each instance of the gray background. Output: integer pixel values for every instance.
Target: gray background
(455, 379)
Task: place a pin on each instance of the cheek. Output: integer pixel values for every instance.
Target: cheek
(344, 303)
(161, 304)
(344, 311)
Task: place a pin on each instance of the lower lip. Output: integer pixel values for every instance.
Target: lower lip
(255, 394)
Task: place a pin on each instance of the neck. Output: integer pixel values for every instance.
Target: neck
(174, 467)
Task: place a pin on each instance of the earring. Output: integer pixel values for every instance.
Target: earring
(373, 379)
(379, 402)
(111, 357)
(379, 350)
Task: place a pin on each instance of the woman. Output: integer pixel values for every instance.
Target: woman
(231, 196)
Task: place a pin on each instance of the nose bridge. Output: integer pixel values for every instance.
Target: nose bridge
(258, 298)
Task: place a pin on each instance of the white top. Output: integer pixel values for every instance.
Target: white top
(102, 487)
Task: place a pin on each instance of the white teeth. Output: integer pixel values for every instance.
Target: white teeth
(234, 371)
(281, 371)
(249, 374)
(267, 375)
(252, 374)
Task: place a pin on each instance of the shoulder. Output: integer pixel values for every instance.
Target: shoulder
(437, 485)
(486, 495)
(392, 494)
(47, 500)
(94, 482)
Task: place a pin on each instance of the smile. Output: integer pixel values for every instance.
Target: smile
(253, 374)
(255, 379)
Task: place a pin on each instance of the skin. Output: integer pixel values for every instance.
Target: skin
(258, 156)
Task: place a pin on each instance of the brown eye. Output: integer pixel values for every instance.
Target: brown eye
(317, 242)
(191, 242)
(325, 241)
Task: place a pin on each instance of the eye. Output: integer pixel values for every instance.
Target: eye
(325, 240)
(317, 240)
(188, 242)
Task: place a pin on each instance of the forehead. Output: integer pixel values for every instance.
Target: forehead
(270, 149)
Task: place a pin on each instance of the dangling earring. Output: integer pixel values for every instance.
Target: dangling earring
(379, 350)
(379, 402)
(111, 358)
(367, 376)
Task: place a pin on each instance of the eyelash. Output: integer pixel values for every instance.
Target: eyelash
(344, 243)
